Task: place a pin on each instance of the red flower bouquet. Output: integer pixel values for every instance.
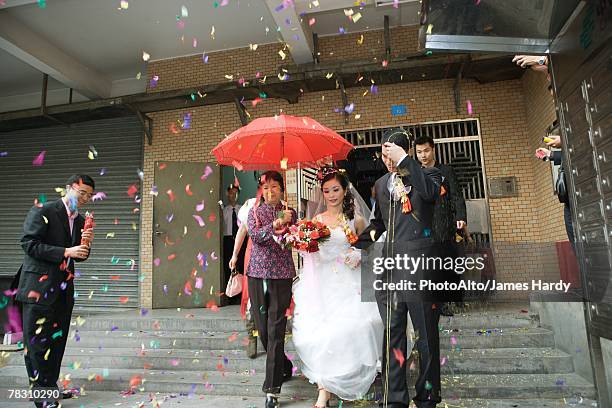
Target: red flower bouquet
(305, 236)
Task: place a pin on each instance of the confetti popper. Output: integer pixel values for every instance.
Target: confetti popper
(89, 224)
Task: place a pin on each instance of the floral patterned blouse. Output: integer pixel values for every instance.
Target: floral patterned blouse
(268, 259)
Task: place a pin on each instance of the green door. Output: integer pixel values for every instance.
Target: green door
(186, 235)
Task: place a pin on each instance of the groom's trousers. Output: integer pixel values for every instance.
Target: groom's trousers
(270, 299)
(425, 317)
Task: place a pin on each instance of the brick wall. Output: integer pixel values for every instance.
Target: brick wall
(541, 113)
(509, 130)
(246, 63)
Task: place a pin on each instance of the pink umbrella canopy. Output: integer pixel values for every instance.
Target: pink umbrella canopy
(281, 142)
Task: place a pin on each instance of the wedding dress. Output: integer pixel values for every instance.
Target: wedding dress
(337, 336)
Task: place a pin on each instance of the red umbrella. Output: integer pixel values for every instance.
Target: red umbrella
(281, 142)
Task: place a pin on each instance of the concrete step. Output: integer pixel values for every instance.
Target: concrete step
(468, 361)
(175, 400)
(222, 340)
(228, 319)
(248, 383)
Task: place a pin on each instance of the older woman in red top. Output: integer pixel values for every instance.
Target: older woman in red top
(270, 276)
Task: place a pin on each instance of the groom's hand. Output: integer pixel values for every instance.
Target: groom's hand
(394, 152)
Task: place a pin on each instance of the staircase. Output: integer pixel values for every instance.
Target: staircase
(489, 359)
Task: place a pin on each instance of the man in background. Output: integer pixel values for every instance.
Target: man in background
(230, 230)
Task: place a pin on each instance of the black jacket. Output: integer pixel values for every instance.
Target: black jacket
(455, 194)
(46, 234)
(407, 227)
(449, 208)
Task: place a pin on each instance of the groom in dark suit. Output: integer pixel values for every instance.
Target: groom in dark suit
(51, 242)
(405, 198)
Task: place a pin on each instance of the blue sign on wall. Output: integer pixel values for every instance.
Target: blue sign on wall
(397, 110)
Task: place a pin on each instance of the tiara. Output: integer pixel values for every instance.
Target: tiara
(326, 171)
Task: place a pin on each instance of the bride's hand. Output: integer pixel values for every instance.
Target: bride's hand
(353, 259)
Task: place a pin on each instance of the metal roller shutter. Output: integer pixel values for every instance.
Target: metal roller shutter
(109, 279)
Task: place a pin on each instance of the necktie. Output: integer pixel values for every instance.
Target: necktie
(234, 223)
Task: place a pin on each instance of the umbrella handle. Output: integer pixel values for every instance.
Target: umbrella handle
(285, 180)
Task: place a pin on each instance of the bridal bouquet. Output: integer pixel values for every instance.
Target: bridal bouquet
(305, 236)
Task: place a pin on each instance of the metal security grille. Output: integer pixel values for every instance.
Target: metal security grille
(109, 278)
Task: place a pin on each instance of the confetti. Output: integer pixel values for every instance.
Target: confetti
(110, 235)
(188, 190)
(45, 219)
(253, 47)
(282, 54)
(399, 356)
(349, 108)
(212, 32)
(124, 5)
(170, 195)
(99, 196)
(145, 56)
(207, 172)
(205, 58)
(38, 161)
(184, 12)
(199, 220)
(199, 283)
(469, 107)
(34, 294)
(356, 17)
(360, 40)
(194, 42)
(154, 80)
(132, 190)
(135, 381)
(312, 21)
(42, 4)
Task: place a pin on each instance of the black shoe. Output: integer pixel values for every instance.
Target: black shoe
(49, 404)
(272, 402)
(67, 395)
(288, 372)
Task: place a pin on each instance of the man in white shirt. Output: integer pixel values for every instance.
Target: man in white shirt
(230, 229)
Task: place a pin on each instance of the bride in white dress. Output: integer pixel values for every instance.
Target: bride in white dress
(337, 336)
